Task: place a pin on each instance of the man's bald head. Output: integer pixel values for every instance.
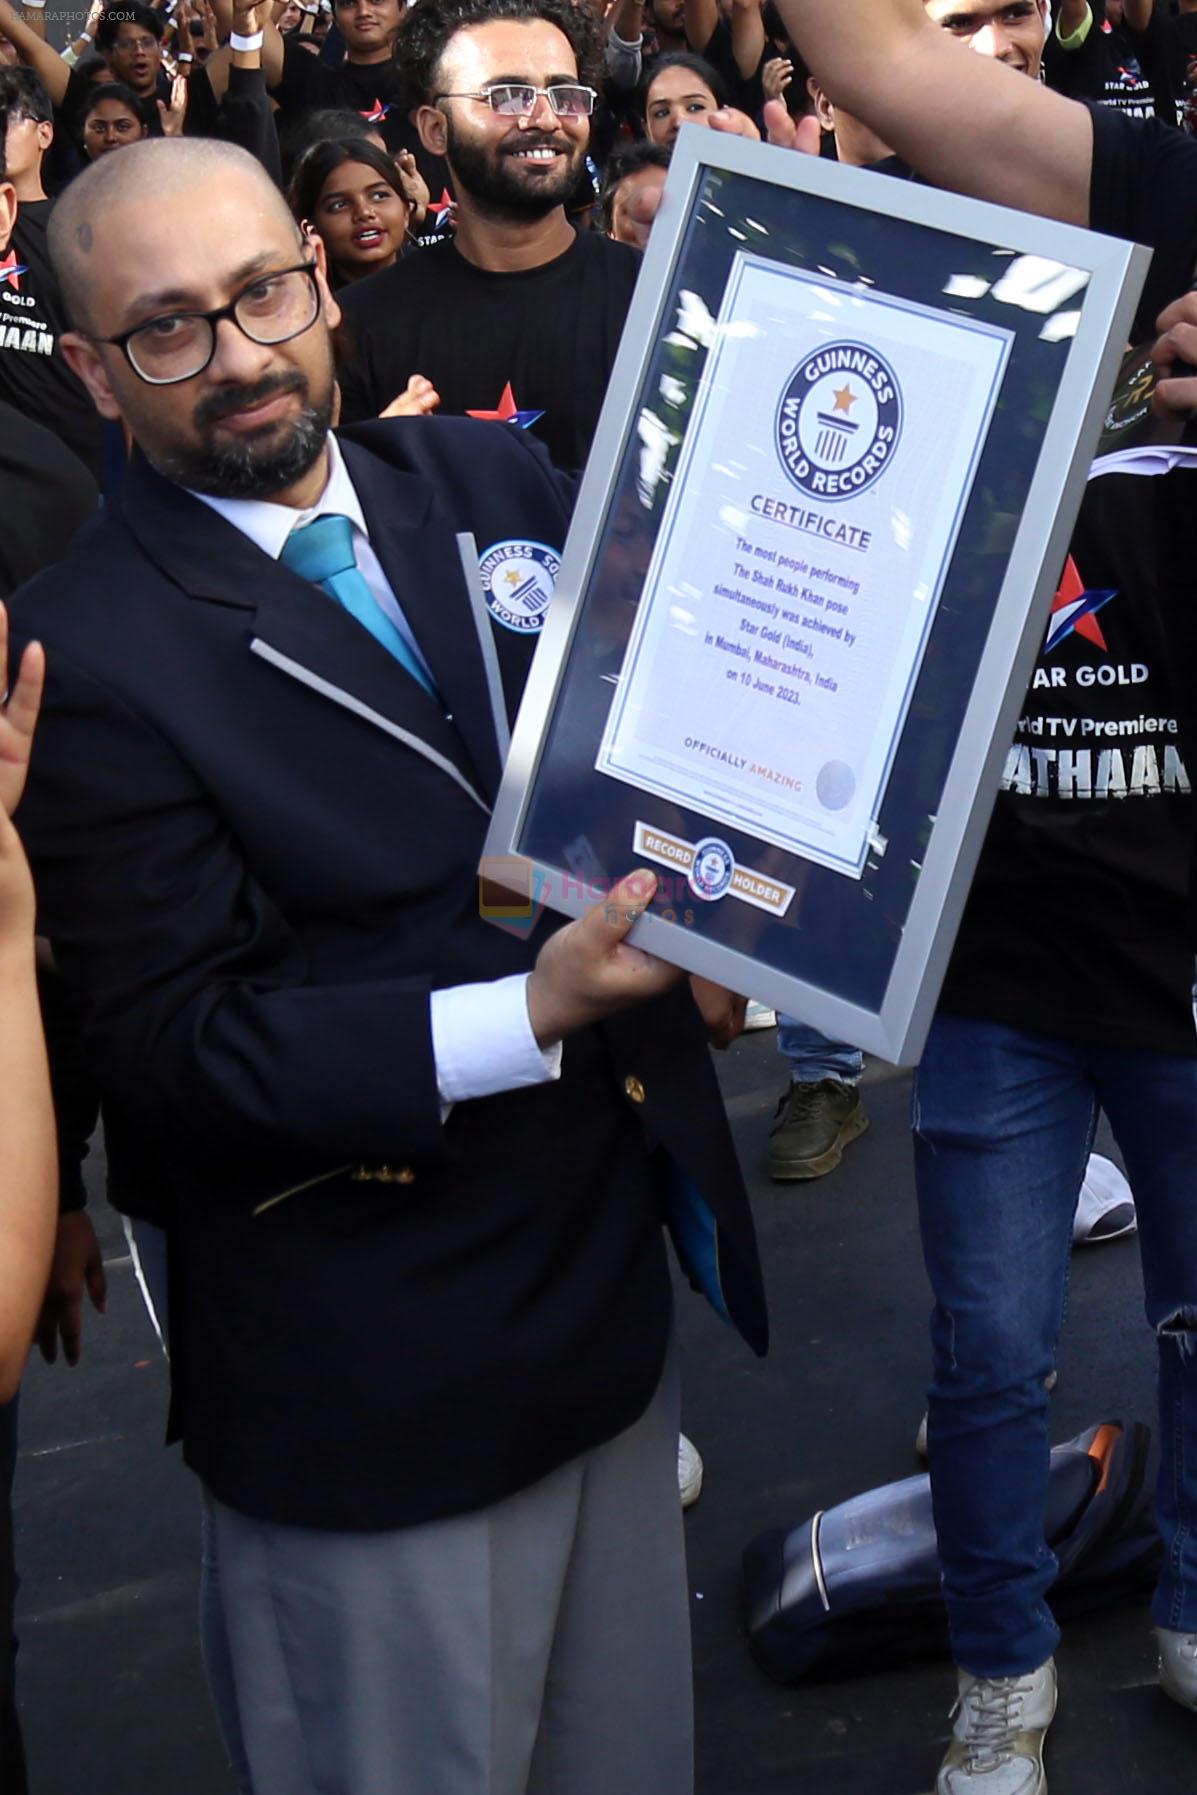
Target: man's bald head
(160, 177)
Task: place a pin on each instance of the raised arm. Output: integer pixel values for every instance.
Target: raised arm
(963, 121)
(35, 53)
(747, 36)
(701, 17)
(271, 54)
(1068, 18)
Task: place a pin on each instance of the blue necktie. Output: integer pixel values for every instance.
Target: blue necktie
(322, 552)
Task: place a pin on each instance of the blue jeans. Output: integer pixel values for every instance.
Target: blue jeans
(812, 1056)
(1003, 1123)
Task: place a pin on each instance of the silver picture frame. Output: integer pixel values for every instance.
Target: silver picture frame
(891, 1021)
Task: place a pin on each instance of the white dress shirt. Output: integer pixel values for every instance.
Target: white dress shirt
(482, 1040)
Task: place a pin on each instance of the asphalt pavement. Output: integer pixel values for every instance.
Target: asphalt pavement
(112, 1693)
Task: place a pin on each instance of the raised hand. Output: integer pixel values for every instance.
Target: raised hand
(417, 399)
(415, 187)
(18, 716)
(776, 76)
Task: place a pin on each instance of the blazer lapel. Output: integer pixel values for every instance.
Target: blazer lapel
(292, 624)
(418, 550)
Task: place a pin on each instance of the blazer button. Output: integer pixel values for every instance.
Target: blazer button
(634, 1089)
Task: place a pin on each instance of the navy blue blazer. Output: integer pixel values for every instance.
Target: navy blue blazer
(256, 841)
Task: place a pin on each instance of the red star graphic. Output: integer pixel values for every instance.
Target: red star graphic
(1072, 587)
(444, 207)
(507, 408)
(376, 113)
(11, 270)
(508, 412)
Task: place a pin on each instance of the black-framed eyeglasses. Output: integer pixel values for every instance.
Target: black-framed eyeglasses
(517, 99)
(272, 308)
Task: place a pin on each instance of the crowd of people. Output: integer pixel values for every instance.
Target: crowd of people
(352, 288)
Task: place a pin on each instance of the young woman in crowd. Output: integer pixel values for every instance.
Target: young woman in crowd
(110, 118)
(361, 202)
(682, 89)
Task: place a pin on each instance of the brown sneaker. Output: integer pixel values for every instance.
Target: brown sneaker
(815, 1123)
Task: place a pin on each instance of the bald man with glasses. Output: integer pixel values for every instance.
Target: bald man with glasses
(420, 1304)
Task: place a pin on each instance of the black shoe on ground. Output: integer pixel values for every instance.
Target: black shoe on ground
(815, 1123)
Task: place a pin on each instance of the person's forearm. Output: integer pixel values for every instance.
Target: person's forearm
(34, 16)
(1137, 14)
(701, 17)
(28, 1174)
(990, 132)
(747, 36)
(623, 62)
(36, 53)
(1070, 16)
(626, 20)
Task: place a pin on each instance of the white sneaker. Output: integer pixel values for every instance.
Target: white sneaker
(758, 1015)
(998, 1733)
(1105, 1209)
(1178, 1665)
(689, 1471)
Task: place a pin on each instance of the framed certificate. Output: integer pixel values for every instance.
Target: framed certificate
(826, 510)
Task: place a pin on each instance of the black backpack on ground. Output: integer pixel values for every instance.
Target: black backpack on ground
(857, 1588)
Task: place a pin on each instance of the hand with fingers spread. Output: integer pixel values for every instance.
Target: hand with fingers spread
(172, 116)
(786, 133)
(776, 76)
(589, 969)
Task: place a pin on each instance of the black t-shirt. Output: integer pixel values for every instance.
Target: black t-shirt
(1144, 188)
(1076, 924)
(34, 377)
(1182, 52)
(46, 495)
(1129, 71)
(533, 348)
(373, 89)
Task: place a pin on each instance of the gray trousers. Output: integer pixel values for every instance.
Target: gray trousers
(538, 1647)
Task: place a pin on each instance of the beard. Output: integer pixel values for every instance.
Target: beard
(505, 188)
(256, 464)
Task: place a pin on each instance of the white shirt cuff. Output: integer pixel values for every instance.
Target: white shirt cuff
(482, 1041)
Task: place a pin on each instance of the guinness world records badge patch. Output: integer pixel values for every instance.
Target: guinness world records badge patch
(518, 581)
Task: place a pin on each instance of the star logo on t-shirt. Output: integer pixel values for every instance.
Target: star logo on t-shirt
(375, 112)
(11, 271)
(508, 412)
(445, 207)
(1075, 608)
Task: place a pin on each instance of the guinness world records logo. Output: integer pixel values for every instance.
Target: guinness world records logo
(838, 421)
